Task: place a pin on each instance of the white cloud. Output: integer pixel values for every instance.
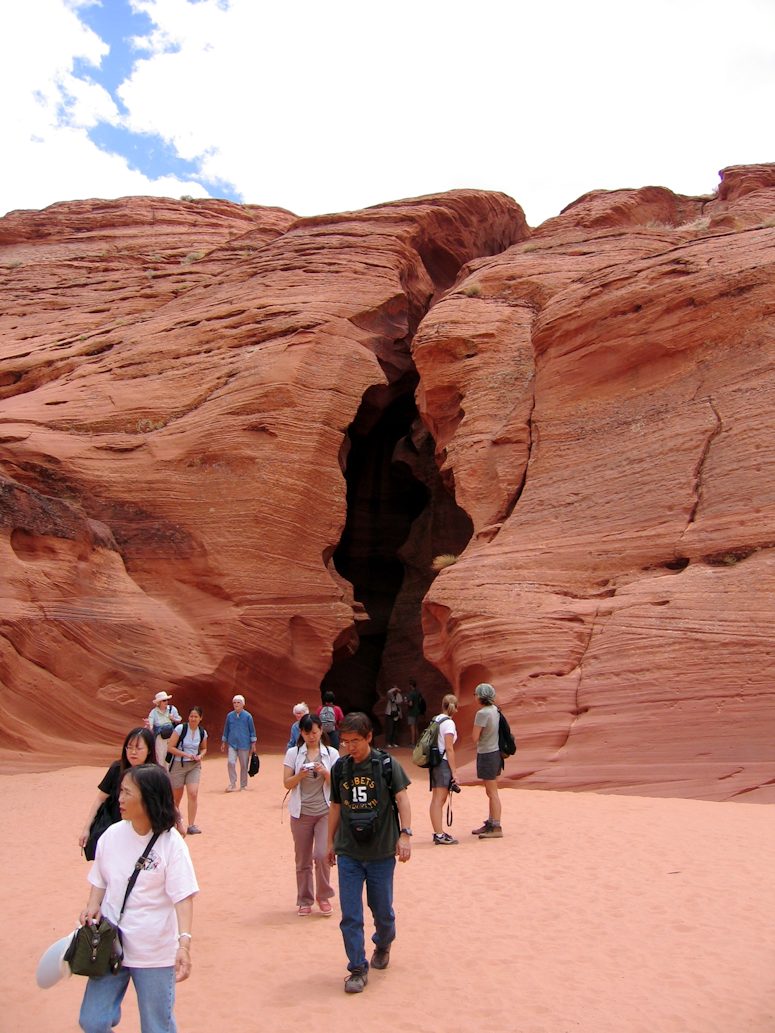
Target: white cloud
(49, 156)
(326, 107)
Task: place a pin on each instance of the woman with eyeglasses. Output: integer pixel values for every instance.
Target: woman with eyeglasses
(307, 774)
(138, 748)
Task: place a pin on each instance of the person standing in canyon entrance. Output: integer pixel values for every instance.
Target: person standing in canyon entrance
(393, 702)
(416, 707)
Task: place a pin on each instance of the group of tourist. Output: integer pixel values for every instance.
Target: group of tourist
(348, 809)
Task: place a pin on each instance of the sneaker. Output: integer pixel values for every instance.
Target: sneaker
(443, 839)
(325, 908)
(194, 830)
(231, 789)
(493, 832)
(381, 957)
(305, 910)
(482, 828)
(356, 981)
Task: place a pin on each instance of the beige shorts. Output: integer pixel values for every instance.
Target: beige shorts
(185, 774)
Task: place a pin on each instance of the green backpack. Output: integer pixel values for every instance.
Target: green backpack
(426, 753)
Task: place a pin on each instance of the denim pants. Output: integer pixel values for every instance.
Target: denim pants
(310, 841)
(231, 766)
(378, 876)
(155, 989)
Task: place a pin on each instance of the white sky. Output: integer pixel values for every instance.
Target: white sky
(325, 107)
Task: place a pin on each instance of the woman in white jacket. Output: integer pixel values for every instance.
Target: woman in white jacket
(307, 774)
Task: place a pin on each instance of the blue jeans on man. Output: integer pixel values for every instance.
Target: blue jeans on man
(378, 877)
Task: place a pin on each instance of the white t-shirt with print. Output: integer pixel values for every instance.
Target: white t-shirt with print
(149, 928)
(446, 727)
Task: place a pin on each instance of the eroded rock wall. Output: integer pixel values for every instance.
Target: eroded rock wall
(601, 397)
(176, 383)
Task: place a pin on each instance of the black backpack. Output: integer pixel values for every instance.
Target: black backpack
(171, 758)
(506, 742)
(382, 769)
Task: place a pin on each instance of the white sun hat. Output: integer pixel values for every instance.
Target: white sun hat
(52, 967)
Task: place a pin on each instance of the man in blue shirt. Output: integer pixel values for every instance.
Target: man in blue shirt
(239, 734)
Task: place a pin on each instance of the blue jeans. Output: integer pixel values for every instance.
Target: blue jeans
(378, 876)
(155, 989)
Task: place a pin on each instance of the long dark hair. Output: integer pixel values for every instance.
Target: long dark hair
(144, 736)
(156, 792)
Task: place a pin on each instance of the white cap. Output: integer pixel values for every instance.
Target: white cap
(240, 699)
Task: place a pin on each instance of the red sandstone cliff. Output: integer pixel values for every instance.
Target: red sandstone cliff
(602, 397)
(177, 382)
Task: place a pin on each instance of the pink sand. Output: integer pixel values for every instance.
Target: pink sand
(594, 914)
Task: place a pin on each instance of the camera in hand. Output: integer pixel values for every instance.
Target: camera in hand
(454, 787)
(310, 766)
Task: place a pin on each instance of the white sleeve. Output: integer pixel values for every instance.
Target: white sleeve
(180, 880)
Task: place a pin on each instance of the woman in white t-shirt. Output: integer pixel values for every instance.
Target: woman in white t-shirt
(156, 922)
(444, 774)
(186, 765)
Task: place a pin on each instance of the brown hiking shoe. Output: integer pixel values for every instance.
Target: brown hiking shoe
(493, 832)
(482, 828)
(381, 957)
(356, 981)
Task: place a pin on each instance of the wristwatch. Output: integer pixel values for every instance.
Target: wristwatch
(405, 832)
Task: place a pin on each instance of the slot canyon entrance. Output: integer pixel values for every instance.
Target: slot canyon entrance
(399, 516)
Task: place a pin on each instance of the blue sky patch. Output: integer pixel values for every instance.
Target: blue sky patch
(117, 24)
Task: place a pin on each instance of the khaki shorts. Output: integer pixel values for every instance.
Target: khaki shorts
(187, 774)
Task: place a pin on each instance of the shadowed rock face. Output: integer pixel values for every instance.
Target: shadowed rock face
(232, 442)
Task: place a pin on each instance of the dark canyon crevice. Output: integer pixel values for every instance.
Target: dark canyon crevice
(399, 516)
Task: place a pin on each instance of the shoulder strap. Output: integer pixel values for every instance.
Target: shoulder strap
(384, 763)
(138, 868)
(181, 737)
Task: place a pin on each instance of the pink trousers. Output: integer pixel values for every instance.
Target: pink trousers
(310, 839)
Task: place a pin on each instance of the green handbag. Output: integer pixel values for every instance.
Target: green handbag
(96, 950)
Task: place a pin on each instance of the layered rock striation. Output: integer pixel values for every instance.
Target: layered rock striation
(178, 380)
(601, 398)
(233, 441)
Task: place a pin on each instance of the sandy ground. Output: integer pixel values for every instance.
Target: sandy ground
(594, 914)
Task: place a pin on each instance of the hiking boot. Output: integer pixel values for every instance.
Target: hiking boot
(443, 839)
(482, 828)
(194, 830)
(381, 957)
(493, 832)
(356, 981)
